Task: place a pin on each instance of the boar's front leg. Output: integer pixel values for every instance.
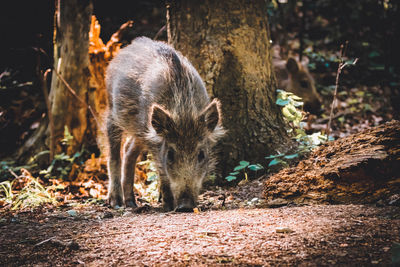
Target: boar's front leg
(166, 194)
(132, 150)
(114, 135)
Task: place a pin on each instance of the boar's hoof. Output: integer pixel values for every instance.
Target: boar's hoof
(168, 207)
(184, 208)
(115, 202)
(130, 204)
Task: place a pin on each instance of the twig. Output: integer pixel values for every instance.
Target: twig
(44, 241)
(341, 66)
(13, 173)
(159, 32)
(72, 91)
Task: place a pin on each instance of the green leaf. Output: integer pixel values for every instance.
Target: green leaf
(373, 54)
(291, 156)
(240, 167)
(77, 155)
(295, 97)
(275, 162)
(230, 178)
(244, 163)
(233, 173)
(255, 167)
(298, 104)
(287, 114)
(275, 156)
(282, 102)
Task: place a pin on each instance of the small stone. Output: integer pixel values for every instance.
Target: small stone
(254, 199)
(127, 214)
(284, 230)
(72, 213)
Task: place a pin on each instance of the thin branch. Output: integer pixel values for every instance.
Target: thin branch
(341, 66)
(44, 241)
(72, 91)
(159, 32)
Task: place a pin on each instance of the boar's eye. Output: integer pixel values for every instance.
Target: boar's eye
(304, 83)
(201, 156)
(170, 155)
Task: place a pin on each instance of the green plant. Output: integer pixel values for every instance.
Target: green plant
(291, 108)
(6, 190)
(149, 190)
(243, 167)
(293, 114)
(61, 165)
(67, 137)
(279, 159)
(32, 194)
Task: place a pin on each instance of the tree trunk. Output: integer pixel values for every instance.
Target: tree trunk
(71, 61)
(228, 43)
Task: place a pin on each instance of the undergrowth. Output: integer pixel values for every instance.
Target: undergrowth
(291, 107)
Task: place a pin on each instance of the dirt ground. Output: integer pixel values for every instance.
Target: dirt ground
(93, 235)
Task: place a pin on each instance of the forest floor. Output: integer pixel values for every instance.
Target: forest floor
(250, 224)
(94, 235)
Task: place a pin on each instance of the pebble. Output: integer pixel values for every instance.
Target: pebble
(283, 230)
(72, 213)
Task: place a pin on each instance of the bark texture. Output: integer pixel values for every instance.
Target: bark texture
(360, 168)
(71, 61)
(228, 43)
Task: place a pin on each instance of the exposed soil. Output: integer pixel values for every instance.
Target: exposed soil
(96, 236)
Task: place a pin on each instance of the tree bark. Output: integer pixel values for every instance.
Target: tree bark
(71, 61)
(228, 43)
(360, 168)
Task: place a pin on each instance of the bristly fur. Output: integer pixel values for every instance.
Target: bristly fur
(157, 97)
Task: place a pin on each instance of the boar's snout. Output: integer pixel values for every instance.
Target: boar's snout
(185, 203)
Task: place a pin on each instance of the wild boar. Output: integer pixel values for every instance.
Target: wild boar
(157, 99)
(293, 76)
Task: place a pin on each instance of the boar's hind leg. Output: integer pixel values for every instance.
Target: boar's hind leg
(114, 164)
(131, 152)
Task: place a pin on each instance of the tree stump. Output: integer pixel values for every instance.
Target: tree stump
(360, 168)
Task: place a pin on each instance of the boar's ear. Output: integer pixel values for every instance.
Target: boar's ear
(160, 120)
(292, 65)
(211, 115)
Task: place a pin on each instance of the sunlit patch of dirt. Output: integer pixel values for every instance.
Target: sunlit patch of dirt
(96, 236)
